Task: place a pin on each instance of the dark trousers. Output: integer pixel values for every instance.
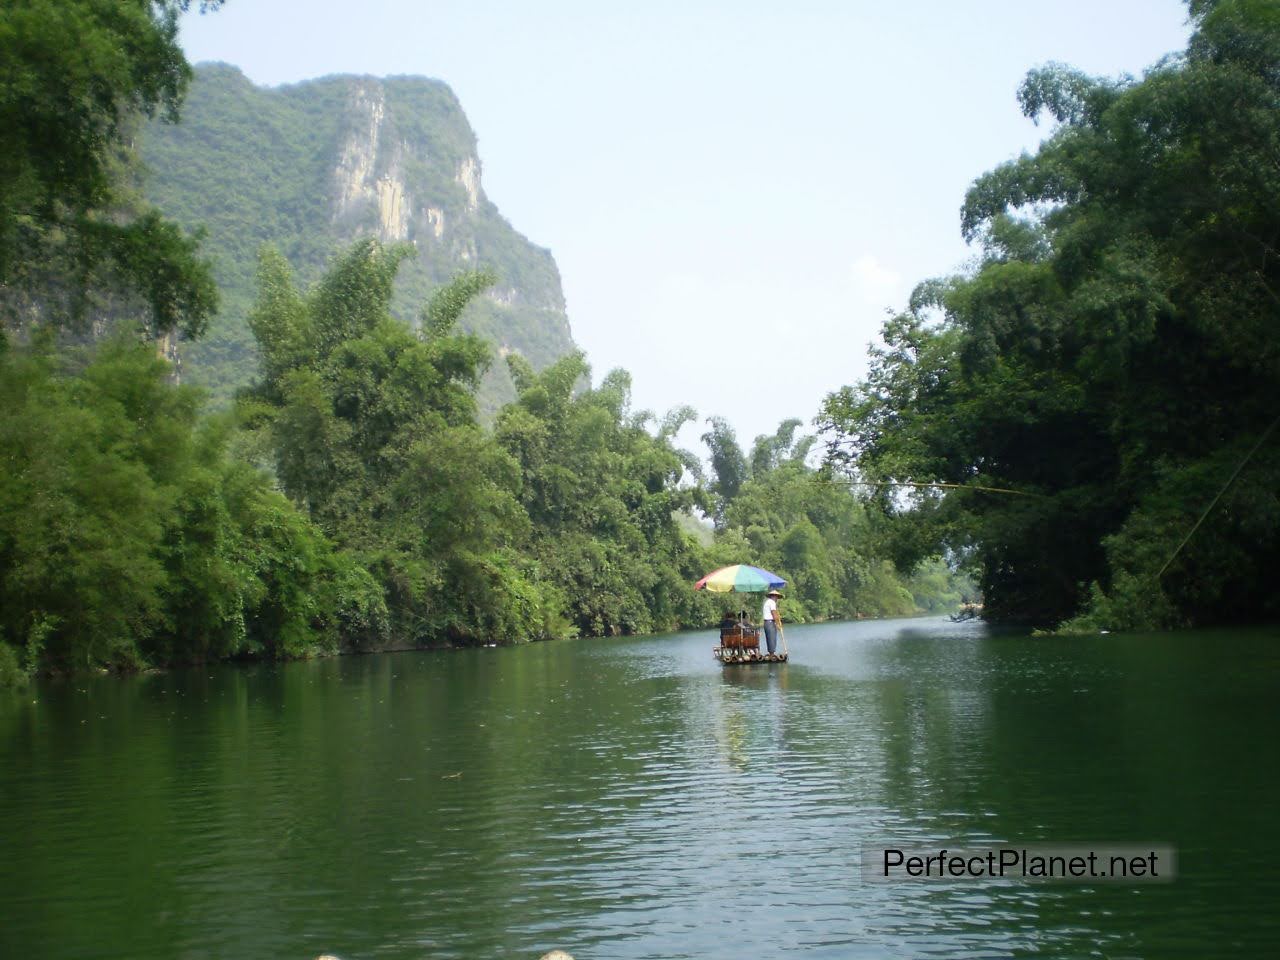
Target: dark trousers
(771, 635)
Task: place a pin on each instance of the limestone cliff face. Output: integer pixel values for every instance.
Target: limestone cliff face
(371, 192)
(469, 177)
(311, 167)
(370, 173)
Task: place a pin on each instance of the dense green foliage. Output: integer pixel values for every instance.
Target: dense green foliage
(128, 535)
(133, 530)
(776, 509)
(374, 435)
(564, 519)
(76, 79)
(353, 499)
(255, 166)
(1114, 357)
(603, 496)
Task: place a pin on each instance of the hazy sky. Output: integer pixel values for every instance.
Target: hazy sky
(734, 191)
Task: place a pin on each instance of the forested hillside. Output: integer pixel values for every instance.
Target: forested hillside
(355, 489)
(308, 168)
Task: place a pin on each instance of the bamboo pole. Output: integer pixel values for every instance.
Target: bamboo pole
(1214, 502)
(938, 485)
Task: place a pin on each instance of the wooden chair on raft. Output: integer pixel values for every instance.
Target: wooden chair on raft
(739, 641)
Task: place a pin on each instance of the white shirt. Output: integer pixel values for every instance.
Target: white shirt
(770, 609)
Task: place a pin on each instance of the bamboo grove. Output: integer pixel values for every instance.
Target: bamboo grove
(352, 500)
(1083, 422)
(1116, 352)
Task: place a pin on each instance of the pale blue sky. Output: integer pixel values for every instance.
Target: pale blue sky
(734, 191)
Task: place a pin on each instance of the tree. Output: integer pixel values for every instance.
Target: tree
(374, 435)
(602, 495)
(1113, 355)
(128, 536)
(816, 533)
(72, 236)
(768, 451)
(728, 464)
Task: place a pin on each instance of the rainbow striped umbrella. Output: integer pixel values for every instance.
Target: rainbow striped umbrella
(740, 578)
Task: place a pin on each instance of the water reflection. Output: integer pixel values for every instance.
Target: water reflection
(633, 798)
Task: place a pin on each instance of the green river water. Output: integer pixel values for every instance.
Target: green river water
(632, 798)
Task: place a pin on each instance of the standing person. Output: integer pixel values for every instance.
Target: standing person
(772, 620)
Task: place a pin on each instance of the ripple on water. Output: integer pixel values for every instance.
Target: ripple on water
(630, 798)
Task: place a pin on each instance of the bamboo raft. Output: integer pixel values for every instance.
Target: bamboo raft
(740, 643)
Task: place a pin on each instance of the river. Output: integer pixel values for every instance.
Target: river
(631, 798)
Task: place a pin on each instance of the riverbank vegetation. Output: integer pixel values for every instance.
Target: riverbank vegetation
(1114, 358)
(354, 501)
(1080, 426)
(352, 498)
